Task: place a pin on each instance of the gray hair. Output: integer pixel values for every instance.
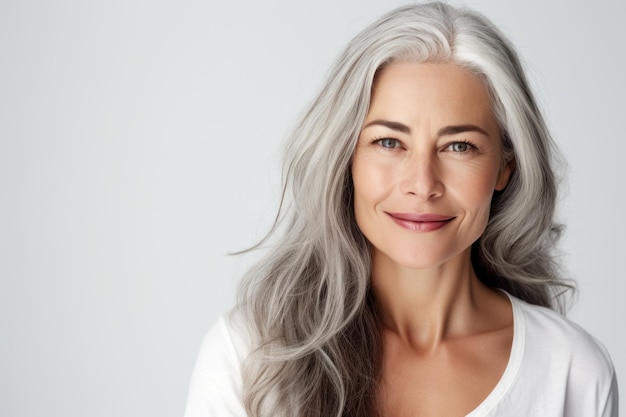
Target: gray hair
(308, 301)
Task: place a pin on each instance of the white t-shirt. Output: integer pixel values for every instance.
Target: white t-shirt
(555, 369)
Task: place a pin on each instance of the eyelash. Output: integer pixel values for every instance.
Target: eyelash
(470, 146)
(379, 142)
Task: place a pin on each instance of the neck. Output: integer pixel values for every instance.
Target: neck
(425, 306)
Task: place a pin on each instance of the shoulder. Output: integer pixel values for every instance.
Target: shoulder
(548, 331)
(568, 365)
(216, 383)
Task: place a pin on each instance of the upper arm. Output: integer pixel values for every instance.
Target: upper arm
(215, 387)
(611, 404)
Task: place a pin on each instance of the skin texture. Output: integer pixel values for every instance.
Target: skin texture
(430, 150)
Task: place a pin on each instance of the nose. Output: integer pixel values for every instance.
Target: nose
(421, 177)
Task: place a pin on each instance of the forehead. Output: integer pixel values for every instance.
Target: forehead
(444, 92)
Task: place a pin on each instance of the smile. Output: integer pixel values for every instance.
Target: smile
(420, 222)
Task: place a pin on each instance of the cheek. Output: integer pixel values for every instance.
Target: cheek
(372, 182)
(362, 192)
(371, 187)
(474, 188)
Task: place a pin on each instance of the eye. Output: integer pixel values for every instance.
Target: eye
(388, 143)
(460, 147)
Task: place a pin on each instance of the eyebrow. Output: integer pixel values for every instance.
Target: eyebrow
(444, 131)
(453, 130)
(391, 125)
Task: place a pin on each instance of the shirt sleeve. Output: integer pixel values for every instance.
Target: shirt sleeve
(215, 387)
(611, 405)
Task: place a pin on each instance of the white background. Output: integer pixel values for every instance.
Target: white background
(139, 143)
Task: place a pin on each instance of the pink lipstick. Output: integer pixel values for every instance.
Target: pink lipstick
(426, 222)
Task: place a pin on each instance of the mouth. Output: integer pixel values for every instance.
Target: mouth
(418, 222)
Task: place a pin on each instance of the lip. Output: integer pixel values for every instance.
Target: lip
(421, 222)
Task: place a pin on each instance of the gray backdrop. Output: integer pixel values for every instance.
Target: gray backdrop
(139, 143)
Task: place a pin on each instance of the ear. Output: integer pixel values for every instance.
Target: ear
(504, 175)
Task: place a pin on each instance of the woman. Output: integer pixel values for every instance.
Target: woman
(412, 270)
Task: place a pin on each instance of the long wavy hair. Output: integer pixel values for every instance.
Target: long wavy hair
(307, 302)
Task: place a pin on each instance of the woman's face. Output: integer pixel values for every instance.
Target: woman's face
(426, 164)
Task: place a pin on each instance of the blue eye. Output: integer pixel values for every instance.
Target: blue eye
(388, 143)
(460, 147)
